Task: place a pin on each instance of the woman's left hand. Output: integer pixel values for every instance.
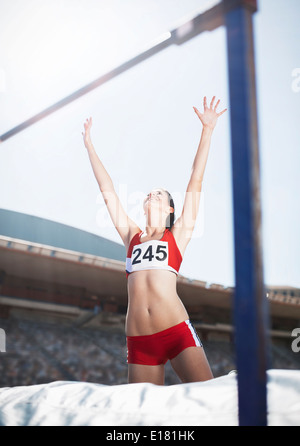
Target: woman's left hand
(210, 115)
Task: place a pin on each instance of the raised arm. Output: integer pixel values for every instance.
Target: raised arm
(124, 225)
(184, 225)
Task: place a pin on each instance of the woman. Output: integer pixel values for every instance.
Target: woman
(157, 324)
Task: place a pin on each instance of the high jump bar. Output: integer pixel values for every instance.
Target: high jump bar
(207, 21)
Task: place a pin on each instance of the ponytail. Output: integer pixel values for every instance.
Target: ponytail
(171, 217)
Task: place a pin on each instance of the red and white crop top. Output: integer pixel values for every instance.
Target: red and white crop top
(153, 254)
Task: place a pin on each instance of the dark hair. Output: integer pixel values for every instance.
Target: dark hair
(171, 217)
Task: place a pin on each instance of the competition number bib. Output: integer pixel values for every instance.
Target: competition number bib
(153, 253)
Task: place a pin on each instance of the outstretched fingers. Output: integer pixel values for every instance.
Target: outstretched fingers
(216, 106)
(210, 114)
(211, 107)
(221, 113)
(215, 109)
(197, 112)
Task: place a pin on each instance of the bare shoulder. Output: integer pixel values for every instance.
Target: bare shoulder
(182, 236)
(133, 229)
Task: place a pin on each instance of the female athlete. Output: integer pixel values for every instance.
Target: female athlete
(157, 324)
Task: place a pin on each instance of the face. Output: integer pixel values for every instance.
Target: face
(158, 199)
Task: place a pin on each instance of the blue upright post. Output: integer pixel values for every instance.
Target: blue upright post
(250, 304)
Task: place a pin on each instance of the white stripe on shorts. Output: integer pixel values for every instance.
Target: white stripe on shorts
(194, 334)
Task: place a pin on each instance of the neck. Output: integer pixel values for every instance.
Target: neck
(152, 230)
(155, 223)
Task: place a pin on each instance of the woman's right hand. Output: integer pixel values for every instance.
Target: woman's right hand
(87, 133)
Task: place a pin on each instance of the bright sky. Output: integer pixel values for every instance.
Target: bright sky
(145, 130)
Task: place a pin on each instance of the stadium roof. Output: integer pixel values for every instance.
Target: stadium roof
(46, 232)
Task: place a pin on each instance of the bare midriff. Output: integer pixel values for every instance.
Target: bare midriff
(153, 302)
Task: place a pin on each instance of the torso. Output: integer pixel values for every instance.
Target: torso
(153, 302)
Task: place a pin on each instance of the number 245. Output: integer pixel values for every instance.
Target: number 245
(160, 254)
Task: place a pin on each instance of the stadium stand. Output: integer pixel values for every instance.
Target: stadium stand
(39, 352)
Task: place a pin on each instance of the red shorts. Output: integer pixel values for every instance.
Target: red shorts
(159, 347)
